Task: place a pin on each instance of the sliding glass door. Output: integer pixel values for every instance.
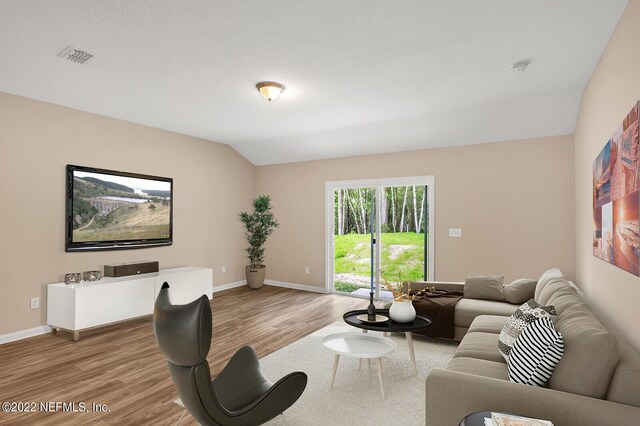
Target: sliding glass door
(377, 231)
(403, 241)
(353, 240)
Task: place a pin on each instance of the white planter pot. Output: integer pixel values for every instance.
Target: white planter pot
(402, 311)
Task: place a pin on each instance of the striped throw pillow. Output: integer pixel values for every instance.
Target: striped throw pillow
(535, 354)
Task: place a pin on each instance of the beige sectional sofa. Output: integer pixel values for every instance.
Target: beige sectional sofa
(597, 382)
(466, 310)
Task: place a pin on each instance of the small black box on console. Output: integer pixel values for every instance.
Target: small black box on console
(124, 269)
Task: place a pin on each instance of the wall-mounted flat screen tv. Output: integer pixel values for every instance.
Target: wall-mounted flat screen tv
(108, 210)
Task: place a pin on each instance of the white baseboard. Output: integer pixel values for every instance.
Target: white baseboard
(217, 288)
(44, 329)
(23, 334)
(303, 287)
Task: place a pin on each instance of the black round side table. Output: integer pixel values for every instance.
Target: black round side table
(475, 419)
(421, 322)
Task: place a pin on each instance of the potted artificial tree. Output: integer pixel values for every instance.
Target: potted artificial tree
(258, 226)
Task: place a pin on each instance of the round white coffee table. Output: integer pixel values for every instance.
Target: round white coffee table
(359, 345)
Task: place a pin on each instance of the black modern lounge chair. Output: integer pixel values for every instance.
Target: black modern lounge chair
(240, 395)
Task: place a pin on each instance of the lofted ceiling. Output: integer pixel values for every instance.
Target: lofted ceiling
(362, 76)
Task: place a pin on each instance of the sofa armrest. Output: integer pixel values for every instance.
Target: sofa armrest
(451, 395)
(443, 285)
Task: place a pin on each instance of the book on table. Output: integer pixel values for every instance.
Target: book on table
(500, 419)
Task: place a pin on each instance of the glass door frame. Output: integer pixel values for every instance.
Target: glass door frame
(378, 185)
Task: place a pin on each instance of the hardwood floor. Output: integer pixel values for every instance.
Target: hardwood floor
(122, 367)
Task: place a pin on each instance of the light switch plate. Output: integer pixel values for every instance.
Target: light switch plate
(455, 232)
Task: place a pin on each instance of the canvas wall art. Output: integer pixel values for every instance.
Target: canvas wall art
(616, 197)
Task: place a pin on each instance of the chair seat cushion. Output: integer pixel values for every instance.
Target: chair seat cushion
(488, 324)
(479, 367)
(243, 400)
(468, 309)
(481, 346)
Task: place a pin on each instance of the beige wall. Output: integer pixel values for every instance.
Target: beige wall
(613, 89)
(513, 201)
(212, 183)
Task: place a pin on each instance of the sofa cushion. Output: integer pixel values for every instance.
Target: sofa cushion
(590, 354)
(519, 291)
(488, 324)
(553, 286)
(468, 309)
(484, 287)
(564, 298)
(479, 367)
(535, 353)
(544, 280)
(522, 317)
(479, 345)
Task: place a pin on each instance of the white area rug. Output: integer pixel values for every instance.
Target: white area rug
(355, 398)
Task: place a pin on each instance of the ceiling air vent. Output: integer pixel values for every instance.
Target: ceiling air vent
(75, 55)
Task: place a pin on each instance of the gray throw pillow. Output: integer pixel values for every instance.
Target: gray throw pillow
(522, 317)
(484, 287)
(520, 291)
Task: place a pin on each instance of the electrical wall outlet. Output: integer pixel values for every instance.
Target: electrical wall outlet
(224, 269)
(35, 303)
(455, 232)
(306, 269)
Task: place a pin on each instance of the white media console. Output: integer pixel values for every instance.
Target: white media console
(90, 304)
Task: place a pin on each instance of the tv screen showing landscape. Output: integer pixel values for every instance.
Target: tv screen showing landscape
(108, 209)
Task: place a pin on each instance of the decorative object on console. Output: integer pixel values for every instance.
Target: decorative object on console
(616, 196)
(91, 276)
(535, 353)
(258, 224)
(522, 317)
(72, 278)
(484, 287)
(135, 268)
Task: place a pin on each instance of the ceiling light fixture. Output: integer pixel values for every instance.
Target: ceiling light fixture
(270, 90)
(519, 67)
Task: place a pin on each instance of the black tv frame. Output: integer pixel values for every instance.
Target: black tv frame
(71, 246)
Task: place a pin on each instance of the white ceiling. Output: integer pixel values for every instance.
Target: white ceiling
(362, 76)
